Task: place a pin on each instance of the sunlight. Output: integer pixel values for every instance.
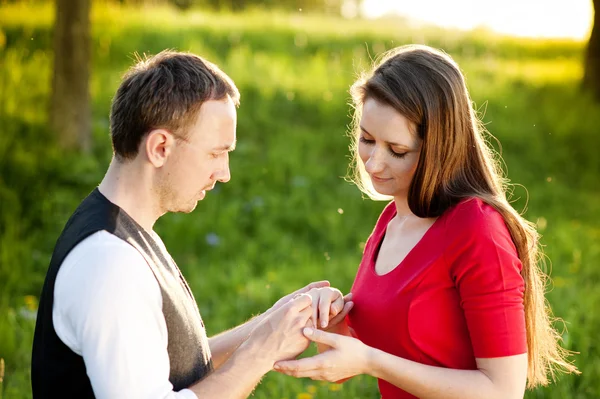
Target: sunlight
(531, 18)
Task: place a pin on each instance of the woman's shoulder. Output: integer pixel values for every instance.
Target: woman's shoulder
(383, 219)
(476, 230)
(474, 214)
(386, 215)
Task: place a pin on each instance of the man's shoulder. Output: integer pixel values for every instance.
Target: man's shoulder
(102, 285)
(102, 247)
(102, 259)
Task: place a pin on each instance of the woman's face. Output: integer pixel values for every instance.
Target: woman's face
(389, 148)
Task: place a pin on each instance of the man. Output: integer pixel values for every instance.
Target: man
(116, 317)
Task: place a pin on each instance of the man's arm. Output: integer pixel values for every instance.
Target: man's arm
(276, 337)
(235, 378)
(223, 345)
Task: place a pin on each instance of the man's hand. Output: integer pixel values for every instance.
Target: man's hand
(279, 335)
(329, 306)
(289, 297)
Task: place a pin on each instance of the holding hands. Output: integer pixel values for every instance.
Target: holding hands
(329, 306)
(342, 355)
(279, 334)
(346, 358)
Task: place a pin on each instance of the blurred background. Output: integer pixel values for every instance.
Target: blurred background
(288, 217)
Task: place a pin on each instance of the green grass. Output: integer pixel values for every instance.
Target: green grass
(278, 220)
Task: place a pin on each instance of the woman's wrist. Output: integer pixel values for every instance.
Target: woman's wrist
(369, 361)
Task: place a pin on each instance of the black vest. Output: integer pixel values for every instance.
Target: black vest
(58, 372)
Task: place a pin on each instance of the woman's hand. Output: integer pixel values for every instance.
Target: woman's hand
(329, 306)
(338, 324)
(346, 358)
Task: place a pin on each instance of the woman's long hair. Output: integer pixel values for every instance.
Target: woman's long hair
(426, 86)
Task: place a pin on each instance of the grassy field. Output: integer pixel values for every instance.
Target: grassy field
(287, 217)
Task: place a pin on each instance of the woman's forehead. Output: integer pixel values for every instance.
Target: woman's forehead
(385, 123)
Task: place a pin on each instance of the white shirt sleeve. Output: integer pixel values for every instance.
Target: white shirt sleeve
(108, 309)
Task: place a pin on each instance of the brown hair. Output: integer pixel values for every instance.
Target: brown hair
(427, 87)
(164, 91)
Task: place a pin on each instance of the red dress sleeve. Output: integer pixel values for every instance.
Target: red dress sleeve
(486, 271)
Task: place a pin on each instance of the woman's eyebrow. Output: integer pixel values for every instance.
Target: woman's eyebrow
(387, 142)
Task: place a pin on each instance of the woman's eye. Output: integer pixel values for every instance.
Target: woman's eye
(398, 154)
(365, 140)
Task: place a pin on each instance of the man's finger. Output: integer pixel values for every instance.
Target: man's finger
(316, 284)
(348, 297)
(300, 302)
(305, 317)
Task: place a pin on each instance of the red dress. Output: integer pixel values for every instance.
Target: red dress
(457, 296)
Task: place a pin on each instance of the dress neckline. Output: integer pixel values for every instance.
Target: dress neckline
(423, 246)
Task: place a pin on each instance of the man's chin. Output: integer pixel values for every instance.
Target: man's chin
(188, 208)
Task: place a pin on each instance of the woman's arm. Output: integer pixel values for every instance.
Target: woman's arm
(495, 378)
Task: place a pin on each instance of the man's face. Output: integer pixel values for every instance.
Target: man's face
(198, 162)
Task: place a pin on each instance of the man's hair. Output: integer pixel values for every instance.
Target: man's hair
(164, 91)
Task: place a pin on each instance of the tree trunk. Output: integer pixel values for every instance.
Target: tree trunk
(591, 79)
(70, 114)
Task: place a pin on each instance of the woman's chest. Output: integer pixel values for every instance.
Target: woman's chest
(418, 317)
(398, 243)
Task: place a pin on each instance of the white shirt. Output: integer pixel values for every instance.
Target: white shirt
(108, 309)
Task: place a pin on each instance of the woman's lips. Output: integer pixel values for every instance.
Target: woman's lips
(379, 179)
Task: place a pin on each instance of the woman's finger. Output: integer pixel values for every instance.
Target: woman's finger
(340, 316)
(325, 307)
(315, 309)
(336, 306)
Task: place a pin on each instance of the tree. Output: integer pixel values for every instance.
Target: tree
(591, 77)
(70, 114)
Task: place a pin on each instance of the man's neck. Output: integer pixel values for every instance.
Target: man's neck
(129, 186)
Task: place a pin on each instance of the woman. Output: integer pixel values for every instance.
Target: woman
(448, 299)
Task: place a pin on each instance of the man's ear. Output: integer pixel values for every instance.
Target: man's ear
(158, 146)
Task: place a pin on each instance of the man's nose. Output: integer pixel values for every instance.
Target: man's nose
(224, 174)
